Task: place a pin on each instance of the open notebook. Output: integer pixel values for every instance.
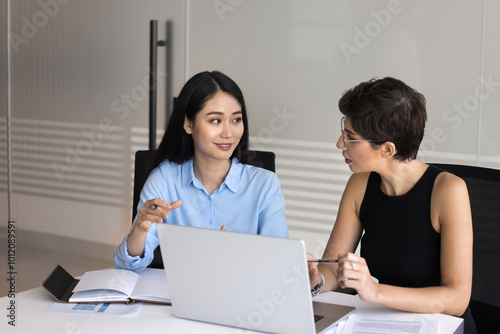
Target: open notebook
(108, 285)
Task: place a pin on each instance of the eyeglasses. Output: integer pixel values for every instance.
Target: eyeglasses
(342, 131)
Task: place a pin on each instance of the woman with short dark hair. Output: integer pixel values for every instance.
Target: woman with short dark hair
(201, 164)
(413, 220)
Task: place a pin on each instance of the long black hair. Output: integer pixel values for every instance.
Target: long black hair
(177, 145)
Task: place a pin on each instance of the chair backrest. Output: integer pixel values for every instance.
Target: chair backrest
(141, 162)
(483, 185)
(263, 159)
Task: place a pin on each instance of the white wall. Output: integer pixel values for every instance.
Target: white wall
(287, 57)
(299, 56)
(80, 110)
(3, 115)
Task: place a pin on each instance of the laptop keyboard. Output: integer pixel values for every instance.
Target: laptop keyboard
(318, 318)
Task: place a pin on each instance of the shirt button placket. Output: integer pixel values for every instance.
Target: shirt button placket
(209, 212)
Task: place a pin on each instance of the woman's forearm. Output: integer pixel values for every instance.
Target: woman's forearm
(438, 299)
(136, 242)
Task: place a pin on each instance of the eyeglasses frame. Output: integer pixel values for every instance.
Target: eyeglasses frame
(342, 133)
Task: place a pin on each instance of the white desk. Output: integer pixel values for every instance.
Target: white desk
(151, 318)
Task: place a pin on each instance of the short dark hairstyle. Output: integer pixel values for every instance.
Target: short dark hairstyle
(176, 145)
(387, 110)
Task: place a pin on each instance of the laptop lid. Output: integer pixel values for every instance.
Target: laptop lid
(241, 280)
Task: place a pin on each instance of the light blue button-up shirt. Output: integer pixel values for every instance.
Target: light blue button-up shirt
(249, 201)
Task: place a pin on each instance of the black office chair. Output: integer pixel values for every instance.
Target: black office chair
(263, 159)
(484, 192)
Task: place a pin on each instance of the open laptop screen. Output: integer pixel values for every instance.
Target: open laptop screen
(236, 279)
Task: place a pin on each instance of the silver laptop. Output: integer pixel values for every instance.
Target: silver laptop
(242, 280)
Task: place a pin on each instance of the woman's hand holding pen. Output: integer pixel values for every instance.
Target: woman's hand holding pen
(353, 272)
(154, 211)
(314, 275)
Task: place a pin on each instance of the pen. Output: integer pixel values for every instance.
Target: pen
(324, 260)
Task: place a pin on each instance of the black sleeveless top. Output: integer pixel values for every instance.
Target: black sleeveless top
(399, 234)
(399, 243)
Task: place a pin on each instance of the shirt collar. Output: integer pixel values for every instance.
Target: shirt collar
(233, 178)
(188, 173)
(232, 181)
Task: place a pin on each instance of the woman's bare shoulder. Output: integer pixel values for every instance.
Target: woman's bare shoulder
(447, 182)
(358, 180)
